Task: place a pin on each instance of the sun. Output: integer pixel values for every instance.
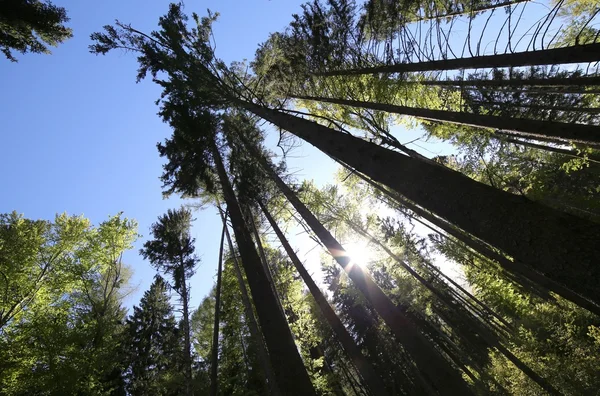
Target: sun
(360, 252)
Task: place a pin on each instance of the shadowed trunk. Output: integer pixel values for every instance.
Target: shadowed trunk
(263, 356)
(578, 133)
(286, 362)
(364, 367)
(439, 373)
(568, 55)
(561, 246)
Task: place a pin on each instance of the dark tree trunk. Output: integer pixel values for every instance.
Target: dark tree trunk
(578, 133)
(568, 55)
(439, 373)
(263, 356)
(286, 362)
(559, 245)
(558, 82)
(364, 367)
(512, 267)
(214, 366)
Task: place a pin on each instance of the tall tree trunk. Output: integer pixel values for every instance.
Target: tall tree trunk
(552, 149)
(518, 83)
(263, 257)
(364, 367)
(438, 372)
(215, 347)
(561, 246)
(568, 55)
(579, 133)
(511, 267)
(263, 356)
(286, 362)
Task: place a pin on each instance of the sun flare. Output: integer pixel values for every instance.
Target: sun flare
(360, 252)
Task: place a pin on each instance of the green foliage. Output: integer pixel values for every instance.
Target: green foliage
(30, 26)
(67, 338)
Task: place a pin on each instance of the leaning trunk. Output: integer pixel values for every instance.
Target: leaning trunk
(561, 246)
(568, 55)
(578, 133)
(286, 362)
(439, 373)
(364, 367)
(263, 356)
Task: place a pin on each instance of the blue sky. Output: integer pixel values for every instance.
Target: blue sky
(79, 134)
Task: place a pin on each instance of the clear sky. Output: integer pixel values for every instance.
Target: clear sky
(79, 135)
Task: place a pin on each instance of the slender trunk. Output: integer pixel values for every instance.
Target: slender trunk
(187, 357)
(579, 133)
(440, 374)
(263, 356)
(568, 55)
(215, 347)
(286, 362)
(263, 257)
(538, 107)
(364, 367)
(562, 246)
(518, 83)
(511, 267)
(552, 149)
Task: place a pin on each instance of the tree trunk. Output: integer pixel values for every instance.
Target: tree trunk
(518, 83)
(215, 347)
(364, 367)
(439, 373)
(286, 362)
(263, 257)
(579, 133)
(562, 246)
(568, 55)
(511, 267)
(552, 149)
(263, 356)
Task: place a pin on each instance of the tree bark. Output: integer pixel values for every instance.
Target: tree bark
(579, 133)
(511, 267)
(568, 55)
(286, 362)
(263, 356)
(439, 373)
(561, 246)
(215, 347)
(364, 367)
(552, 149)
(530, 82)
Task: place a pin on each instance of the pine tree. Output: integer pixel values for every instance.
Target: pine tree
(31, 25)
(153, 346)
(172, 252)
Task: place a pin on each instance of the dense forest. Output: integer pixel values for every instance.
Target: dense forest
(476, 273)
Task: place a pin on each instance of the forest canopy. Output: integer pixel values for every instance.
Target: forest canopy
(472, 273)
